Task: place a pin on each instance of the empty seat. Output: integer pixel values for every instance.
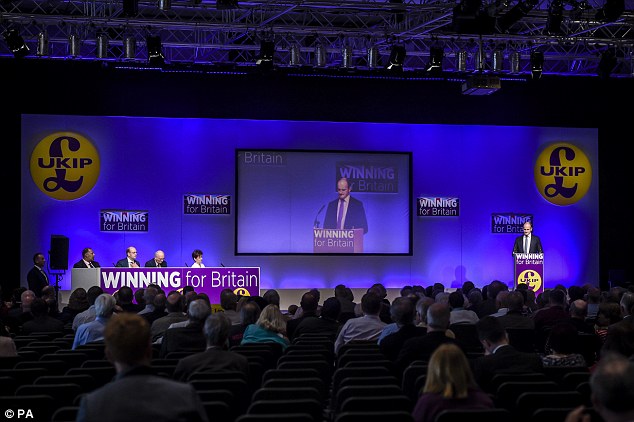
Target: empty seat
(218, 411)
(314, 382)
(368, 390)
(312, 407)
(62, 394)
(65, 414)
(54, 367)
(41, 407)
(101, 376)
(394, 402)
(507, 393)
(528, 402)
(274, 417)
(86, 382)
(462, 415)
(282, 393)
(374, 416)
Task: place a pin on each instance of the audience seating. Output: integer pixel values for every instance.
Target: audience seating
(372, 416)
(218, 411)
(65, 414)
(370, 371)
(376, 403)
(274, 417)
(86, 382)
(72, 360)
(96, 363)
(279, 393)
(528, 403)
(7, 385)
(24, 376)
(467, 335)
(523, 339)
(314, 382)
(508, 392)
(323, 368)
(370, 390)
(102, 376)
(462, 415)
(557, 373)
(40, 405)
(294, 373)
(237, 386)
(312, 407)
(571, 380)
(62, 394)
(54, 367)
(498, 379)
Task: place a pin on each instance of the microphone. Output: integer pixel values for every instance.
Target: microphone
(222, 265)
(186, 264)
(114, 265)
(316, 222)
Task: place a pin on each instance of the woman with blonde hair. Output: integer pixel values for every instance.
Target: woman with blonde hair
(270, 327)
(449, 385)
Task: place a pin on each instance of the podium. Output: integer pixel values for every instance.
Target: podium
(337, 240)
(529, 269)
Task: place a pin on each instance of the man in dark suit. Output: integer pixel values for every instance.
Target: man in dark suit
(130, 260)
(188, 337)
(500, 356)
(158, 260)
(216, 358)
(143, 393)
(87, 259)
(308, 304)
(528, 238)
(36, 276)
(345, 212)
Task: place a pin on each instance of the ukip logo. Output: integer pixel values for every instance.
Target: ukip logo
(65, 166)
(563, 174)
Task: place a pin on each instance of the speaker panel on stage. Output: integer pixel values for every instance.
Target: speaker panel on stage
(58, 259)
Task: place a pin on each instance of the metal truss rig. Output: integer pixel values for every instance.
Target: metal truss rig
(328, 34)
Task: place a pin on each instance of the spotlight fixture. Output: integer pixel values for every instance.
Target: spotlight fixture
(267, 51)
(320, 55)
(537, 64)
(16, 43)
(154, 50)
(461, 60)
(611, 10)
(498, 60)
(346, 57)
(373, 57)
(129, 48)
(516, 13)
(102, 46)
(607, 63)
(42, 44)
(514, 58)
(397, 58)
(74, 45)
(436, 55)
(295, 53)
(164, 4)
(555, 17)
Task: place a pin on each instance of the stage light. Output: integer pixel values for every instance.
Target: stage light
(537, 64)
(436, 55)
(42, 44)
(607, 63)
(164, 4)
(461, 60)
(516, 13)
(74, 45)
(130, 8)
(320, 55)
(346, 57)
(397, 58)
(498, 60)
(129, 48)
(514, 58)
(555, 17)
(373, 57)
(16, 43)
(295, 53)
(267, 52)
(154, 50)
(102, 46)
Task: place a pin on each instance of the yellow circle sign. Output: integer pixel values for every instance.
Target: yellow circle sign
(241, 291)
(65, 166)
(532, 278)
(563, 174)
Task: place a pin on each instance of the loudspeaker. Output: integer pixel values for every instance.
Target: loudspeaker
(59, 252)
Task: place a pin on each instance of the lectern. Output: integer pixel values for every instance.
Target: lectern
(529, 269)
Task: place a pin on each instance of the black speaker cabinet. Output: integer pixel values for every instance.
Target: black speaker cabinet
(59, 252)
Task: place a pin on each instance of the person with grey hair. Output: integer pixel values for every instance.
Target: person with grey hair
(189, 338)
(403, 311)
(422, 347)
(217, 357)
(249, 314)
(92, 331)
(612, 386)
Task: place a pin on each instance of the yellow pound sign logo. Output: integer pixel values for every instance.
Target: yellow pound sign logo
(241, 291)
(532, 278)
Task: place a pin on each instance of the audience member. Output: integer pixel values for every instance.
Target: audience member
(50, 297)
(93, 331)
(458, 314)
(474, 297)
(125, 300)
(272, 297)
(308, 308)
(249, 314)
(593, 297)
(148, 297)
(449, 385)
(515, 317)
(367, 327)
(174, 307)
(139, 298)
(501, 303)
(42, 322)
(160, 301)
(421, 347)
(346, 299)
(37, 277)
(216, 358)
(130, 260)
(403, 312)
(270, 327)
(77, 302)
(612, 386)
(142, 395)
(609, 313)
(158, 261)
(563, 343)
(22, 313)
(327, 324)
(7, 344)
(500, 356)
(188, 338)
(87, 259)
(578, 312)
(489, 304)
(89, 314)
(229, 303)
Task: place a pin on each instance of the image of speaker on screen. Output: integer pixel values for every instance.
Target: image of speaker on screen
(345, 212)
(87, 259)
(528, 242)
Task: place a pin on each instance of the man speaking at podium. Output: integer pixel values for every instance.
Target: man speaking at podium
(345, 212)
(528, 242)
